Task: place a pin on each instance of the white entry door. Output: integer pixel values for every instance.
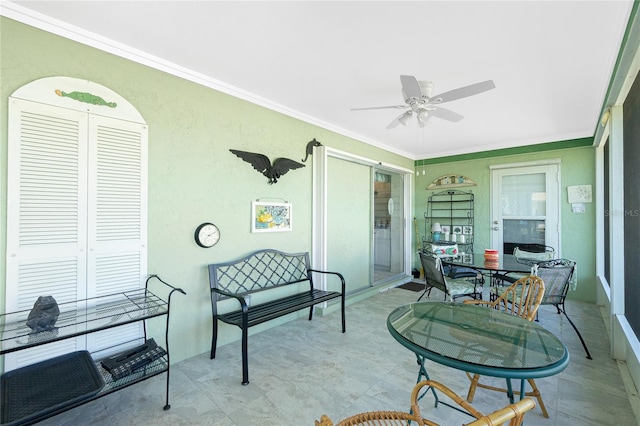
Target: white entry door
(525, 206)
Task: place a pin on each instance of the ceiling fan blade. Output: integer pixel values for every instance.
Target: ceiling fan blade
(401, 119)
(463, 92)
(410, 86)
(446, 114)
(380, 107)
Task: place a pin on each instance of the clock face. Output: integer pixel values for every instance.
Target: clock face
(207, 235)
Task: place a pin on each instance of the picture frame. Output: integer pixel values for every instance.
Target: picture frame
(457, 229)
(446, 229)
(467, 230)
(271, 217)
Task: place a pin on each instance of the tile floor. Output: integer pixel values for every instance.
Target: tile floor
(303, 369)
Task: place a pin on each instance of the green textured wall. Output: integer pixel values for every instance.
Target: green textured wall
(577, 167)
(192, 175)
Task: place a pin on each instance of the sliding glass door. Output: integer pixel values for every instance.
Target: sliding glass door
(359, 223)
(388, 225)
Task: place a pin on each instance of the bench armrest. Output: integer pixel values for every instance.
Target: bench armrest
(338, 274)
(240, 299)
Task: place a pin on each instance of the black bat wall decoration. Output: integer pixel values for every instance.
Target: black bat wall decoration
(262, 164)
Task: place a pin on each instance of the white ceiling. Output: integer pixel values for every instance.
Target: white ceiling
(551, 61)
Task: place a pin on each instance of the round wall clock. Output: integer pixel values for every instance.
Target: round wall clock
(207, 235)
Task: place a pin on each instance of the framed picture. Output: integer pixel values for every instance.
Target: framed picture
(271, 217)
(467, 230)
(446, 229)
(457, 229)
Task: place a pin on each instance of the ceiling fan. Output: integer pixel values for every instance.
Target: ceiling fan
(417, 95)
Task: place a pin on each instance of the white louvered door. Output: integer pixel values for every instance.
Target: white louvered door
(117, 206)
(76, 215)
(46, 232)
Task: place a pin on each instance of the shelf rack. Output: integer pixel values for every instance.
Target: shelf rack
(88, 316)
(455, 209)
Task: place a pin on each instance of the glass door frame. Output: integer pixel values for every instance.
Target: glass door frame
(319, 255)
(386, 228)
(552, 181)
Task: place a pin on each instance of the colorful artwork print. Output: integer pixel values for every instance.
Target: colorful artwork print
(271, 217)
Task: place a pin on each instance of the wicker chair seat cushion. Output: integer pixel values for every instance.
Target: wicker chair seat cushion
(460, 286)
(524, 254)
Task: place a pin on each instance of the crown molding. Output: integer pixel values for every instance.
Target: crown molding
(63, 29)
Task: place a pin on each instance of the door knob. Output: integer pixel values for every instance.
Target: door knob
(495, 228)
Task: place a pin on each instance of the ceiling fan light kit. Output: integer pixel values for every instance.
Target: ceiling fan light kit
(423, 116)
(417, 97)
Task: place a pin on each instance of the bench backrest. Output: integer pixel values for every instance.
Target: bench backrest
(258, 271)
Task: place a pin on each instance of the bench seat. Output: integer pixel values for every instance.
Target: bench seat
(257, 314)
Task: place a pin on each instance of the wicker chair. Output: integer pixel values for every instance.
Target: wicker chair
(513, 413)
(451, 287)
(523, 299)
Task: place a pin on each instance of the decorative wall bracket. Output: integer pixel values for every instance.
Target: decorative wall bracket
(451, 181)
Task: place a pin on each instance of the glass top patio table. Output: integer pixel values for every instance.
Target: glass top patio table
(478, 340)
(505, 263)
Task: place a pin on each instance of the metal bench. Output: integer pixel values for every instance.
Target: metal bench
(257, 272)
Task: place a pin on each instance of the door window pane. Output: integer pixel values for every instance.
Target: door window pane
(521, 233)
(524, 204)
(524, 195)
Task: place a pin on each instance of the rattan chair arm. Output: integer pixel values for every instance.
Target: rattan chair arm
(324, 421)
(478, 302)
(513, 412)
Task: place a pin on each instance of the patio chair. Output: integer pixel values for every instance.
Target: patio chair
(530, 254)
(512, 413)
(558, 274)
(451, 287)
(523, 299)
(445, 250)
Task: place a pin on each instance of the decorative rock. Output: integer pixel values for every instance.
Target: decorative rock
(44, 314)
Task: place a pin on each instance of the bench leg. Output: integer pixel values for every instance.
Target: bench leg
(245, 356)
(310, 313)
(344, 324)
(214, 339)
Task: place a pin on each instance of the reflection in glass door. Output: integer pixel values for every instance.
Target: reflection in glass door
(388, 225)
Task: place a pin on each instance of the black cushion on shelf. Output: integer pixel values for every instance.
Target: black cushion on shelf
(37, 389)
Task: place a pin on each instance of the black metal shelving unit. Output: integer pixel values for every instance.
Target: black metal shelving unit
(454, 209)
(79, 318)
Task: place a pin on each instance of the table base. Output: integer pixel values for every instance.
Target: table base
(422, 374)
